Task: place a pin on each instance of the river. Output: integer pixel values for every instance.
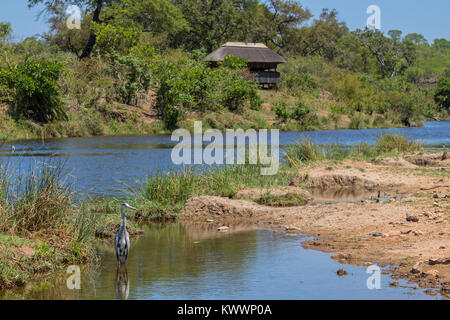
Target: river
(186, 261)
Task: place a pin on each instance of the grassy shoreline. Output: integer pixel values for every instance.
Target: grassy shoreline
(26, 131)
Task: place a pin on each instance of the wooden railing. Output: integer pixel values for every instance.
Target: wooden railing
(268, 77)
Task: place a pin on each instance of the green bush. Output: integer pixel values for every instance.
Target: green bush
(187, 85)
(281, 112)
(304, 115)
(34, 89)
(239, 93)
(297, 83)
(442, 95)
(233, 62)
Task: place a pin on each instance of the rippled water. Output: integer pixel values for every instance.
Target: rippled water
(191, 261)
(108, 165)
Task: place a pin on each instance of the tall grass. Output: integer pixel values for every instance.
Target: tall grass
(39, 200)
(305, 151)
(394, 143)
(171, 190)
(37, 210)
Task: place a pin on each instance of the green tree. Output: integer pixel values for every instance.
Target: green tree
(442, 95)
(280, 22)
(323, 36)
(389, 52)
(5, 31)
(34, 89)
(416, 38)
(211, 23)
(92, 8)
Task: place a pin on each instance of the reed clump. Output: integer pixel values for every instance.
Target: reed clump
(307, 152)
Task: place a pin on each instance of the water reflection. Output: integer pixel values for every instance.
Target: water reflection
(189, 261)
(122, 283)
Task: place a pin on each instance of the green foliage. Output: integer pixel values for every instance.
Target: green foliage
(306, 151)
(5, 31)
(298, 82)
(304, 115)
(233, 62)
(394, 143)
(170, 191)
(187, 85)
(281, 112)
(302, 151)
(442, 95)
(34, 89)
(115, 39)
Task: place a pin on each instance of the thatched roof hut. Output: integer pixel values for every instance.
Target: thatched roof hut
(260, 59)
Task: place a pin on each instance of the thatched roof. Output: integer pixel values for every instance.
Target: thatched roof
(252, 52)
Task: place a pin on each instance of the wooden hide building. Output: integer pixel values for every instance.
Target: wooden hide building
(262, 61)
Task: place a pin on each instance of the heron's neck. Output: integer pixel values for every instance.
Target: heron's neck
(124, 217)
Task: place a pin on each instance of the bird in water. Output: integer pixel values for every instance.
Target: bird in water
(122, 238)
(13, 149)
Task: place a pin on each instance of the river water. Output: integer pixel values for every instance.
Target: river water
(184, 261)
(179, 261)
(110, 165)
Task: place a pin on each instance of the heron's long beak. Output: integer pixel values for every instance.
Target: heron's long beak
(132, 208)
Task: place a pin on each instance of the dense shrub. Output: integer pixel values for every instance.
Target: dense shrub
(442, 95)
(304, 115)
(34, 89)
(187, 85)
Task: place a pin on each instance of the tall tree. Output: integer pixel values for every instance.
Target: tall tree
(211, 23)
(322, 37)
(282, 18)
(90, 7)
(388, 52)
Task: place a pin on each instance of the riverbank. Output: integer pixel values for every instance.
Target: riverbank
(391, 212)
(43, 229)
(123, 120)
(331, 194)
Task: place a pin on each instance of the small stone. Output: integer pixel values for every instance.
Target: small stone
(433, 262)
(223, 229)
(416, 268)
(376, 234)
(418, 233)
(435, 196)
(341, 272)
(411, 218)
(209, 220)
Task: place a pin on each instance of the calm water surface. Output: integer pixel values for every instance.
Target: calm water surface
(197, 262)
(109, 165)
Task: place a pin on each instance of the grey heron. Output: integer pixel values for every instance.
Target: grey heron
(122, 238)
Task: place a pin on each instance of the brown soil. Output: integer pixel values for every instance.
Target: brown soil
(371, 229)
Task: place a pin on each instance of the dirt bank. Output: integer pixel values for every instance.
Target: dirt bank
(392, 212)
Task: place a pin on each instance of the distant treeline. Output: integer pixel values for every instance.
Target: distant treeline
(129, 50)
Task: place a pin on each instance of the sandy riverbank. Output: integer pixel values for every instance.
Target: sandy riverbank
(394, 212)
